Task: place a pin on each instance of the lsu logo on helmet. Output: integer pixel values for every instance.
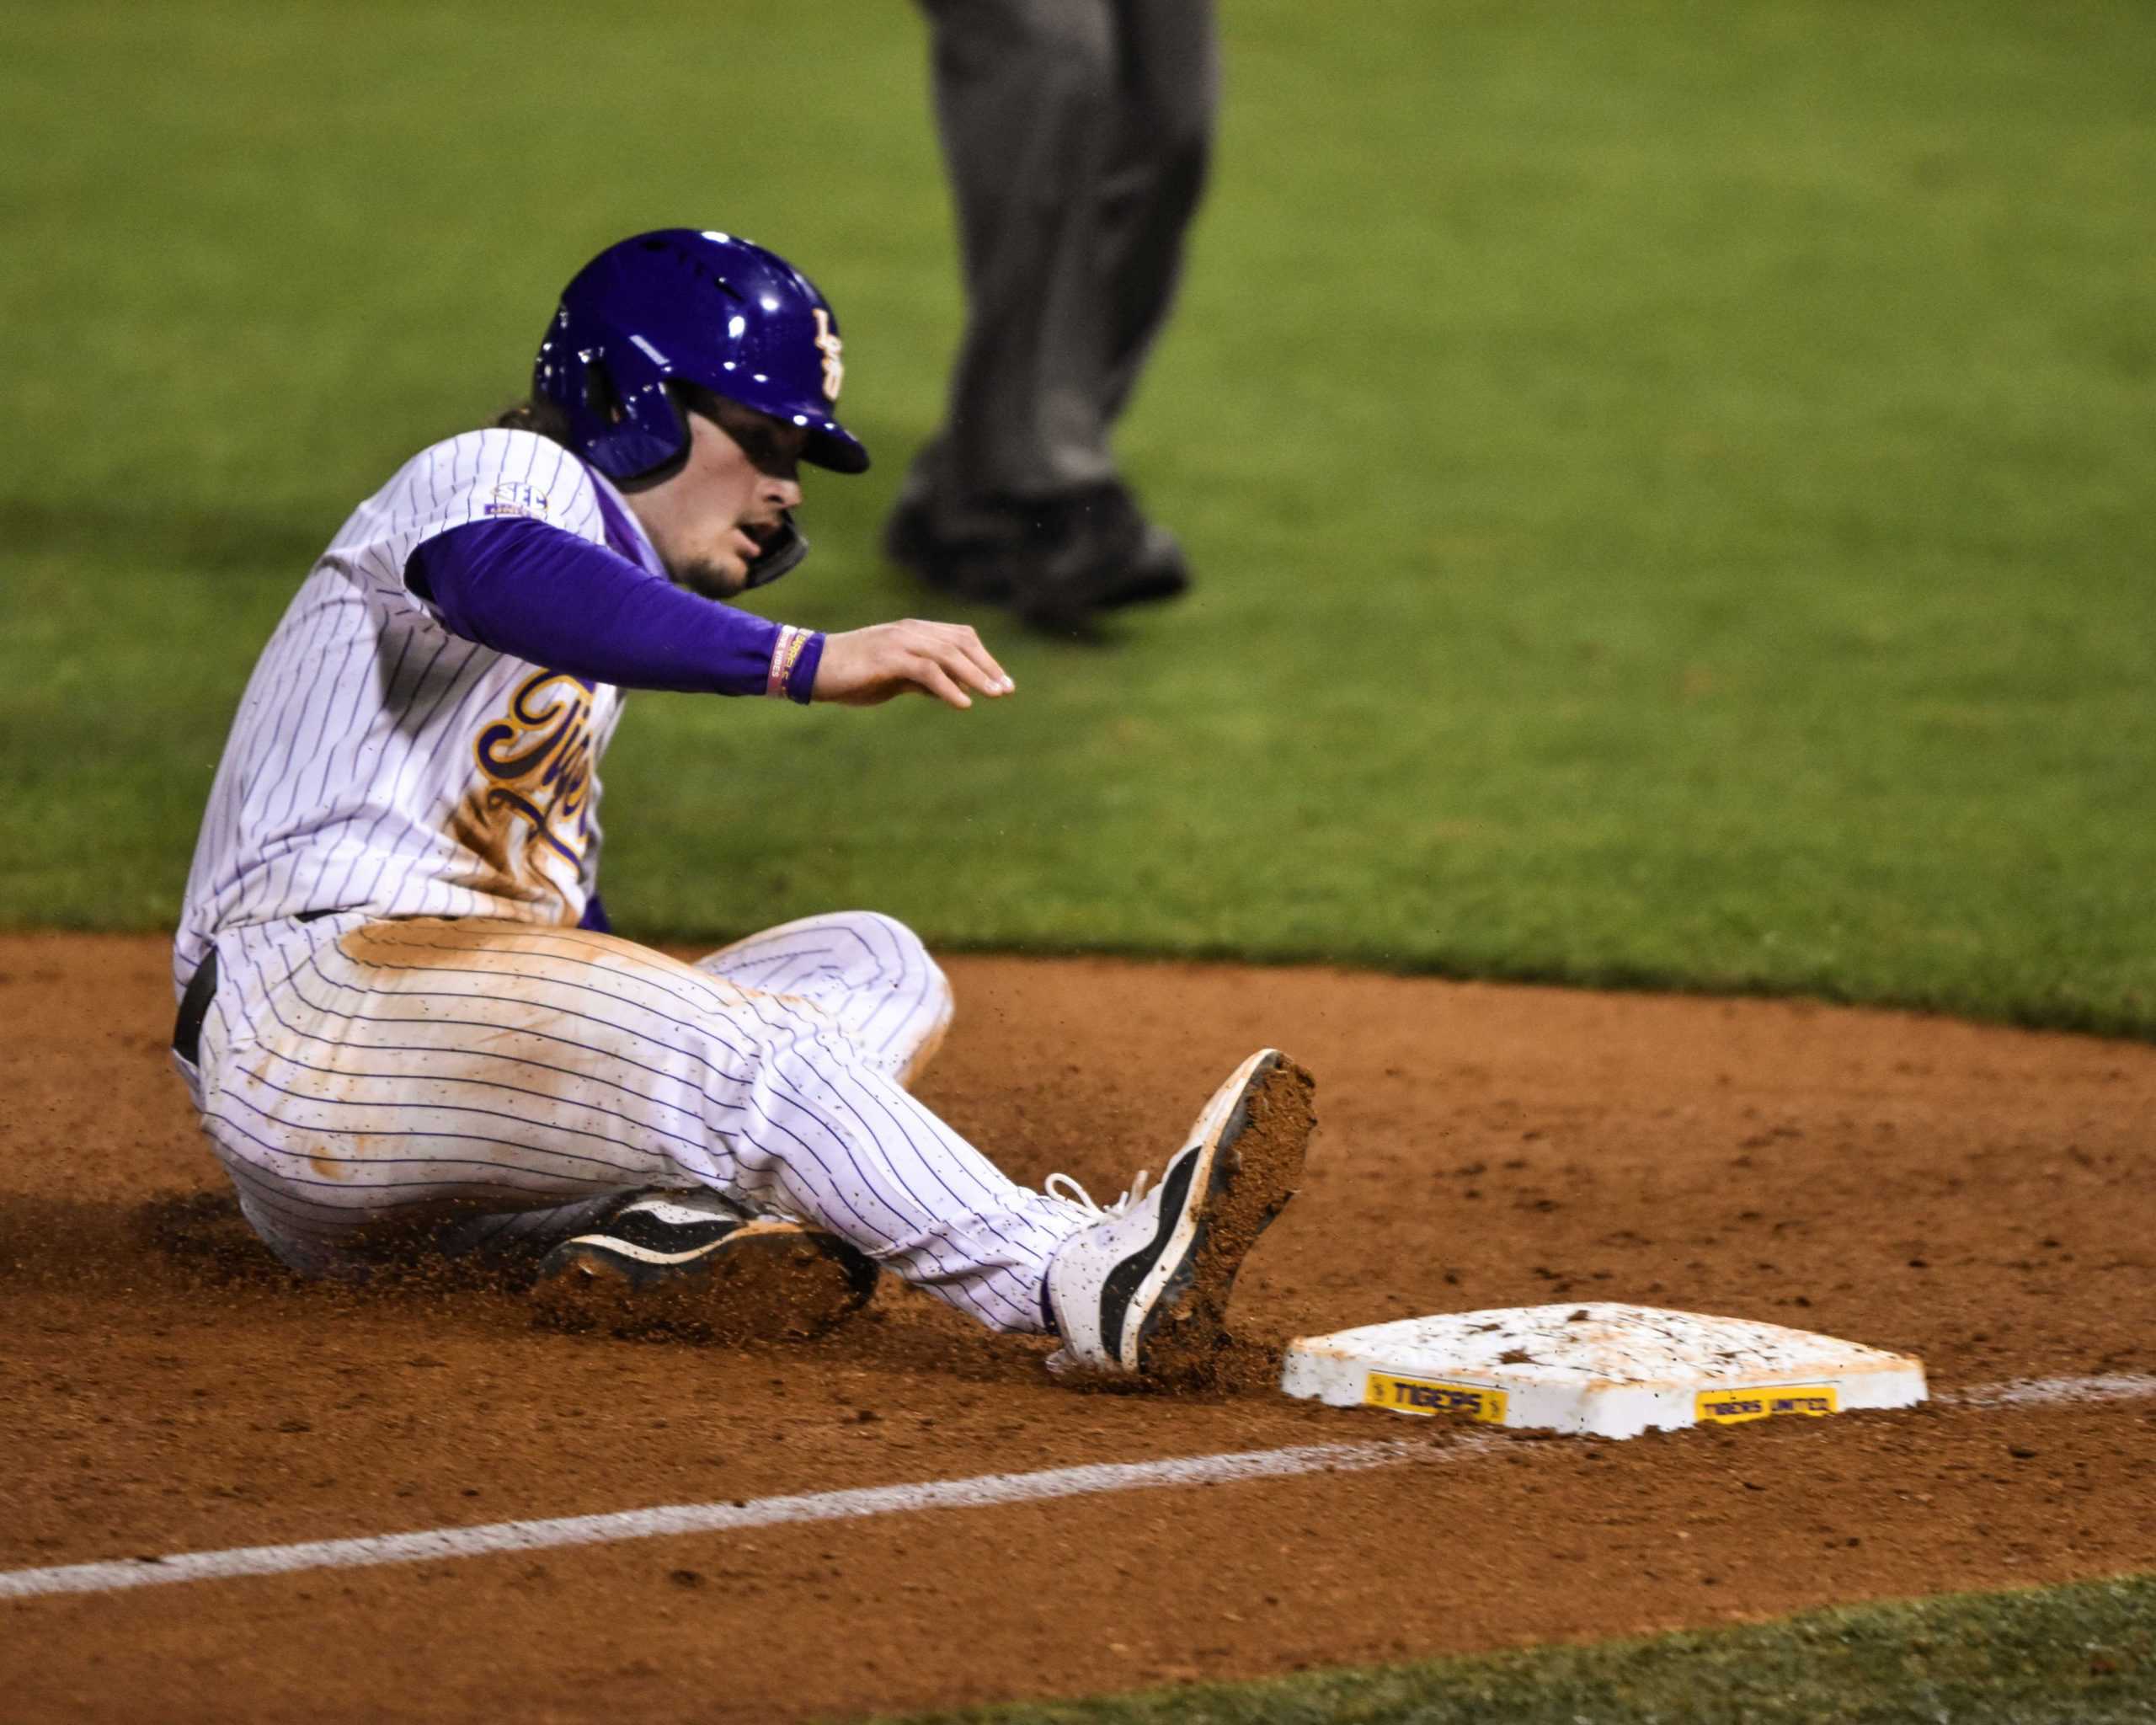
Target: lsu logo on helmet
(828, 344)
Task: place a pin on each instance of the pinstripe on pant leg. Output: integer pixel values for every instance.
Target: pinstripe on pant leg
(394, 1069)
(869, 972)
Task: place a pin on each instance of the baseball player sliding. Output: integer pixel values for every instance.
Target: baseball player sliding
(402, 1016)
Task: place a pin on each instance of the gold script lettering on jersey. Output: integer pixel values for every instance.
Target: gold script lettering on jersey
(529, 821)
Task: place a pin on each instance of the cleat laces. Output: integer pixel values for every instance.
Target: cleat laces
(1063, 1186)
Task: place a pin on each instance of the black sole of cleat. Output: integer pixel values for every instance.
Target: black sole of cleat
(764, 1283)
(1254, 1173)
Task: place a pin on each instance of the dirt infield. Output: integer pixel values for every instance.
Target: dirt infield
(1985, 1198)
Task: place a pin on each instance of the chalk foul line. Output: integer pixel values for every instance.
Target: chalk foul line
(980, 1492)
(2033, 1393)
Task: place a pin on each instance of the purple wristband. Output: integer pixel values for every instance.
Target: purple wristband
(795, 656)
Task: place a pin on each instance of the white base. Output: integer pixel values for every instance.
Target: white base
(1611, 1371)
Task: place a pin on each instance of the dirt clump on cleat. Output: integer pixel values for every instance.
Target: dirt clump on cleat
(1189, 1346)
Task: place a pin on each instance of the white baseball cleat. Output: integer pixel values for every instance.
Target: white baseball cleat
(690, 1260)
(1143, 1289)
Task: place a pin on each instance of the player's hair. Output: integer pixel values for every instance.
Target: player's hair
(536, 414)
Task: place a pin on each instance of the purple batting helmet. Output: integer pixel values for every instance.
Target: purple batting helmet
(707, 309)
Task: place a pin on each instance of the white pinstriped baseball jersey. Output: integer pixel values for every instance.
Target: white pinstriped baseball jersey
(379, 762)
(408, 1026)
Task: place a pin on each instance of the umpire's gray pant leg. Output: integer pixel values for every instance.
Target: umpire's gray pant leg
(1170, 90)
(1075, 132)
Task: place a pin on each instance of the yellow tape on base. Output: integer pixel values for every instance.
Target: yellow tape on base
(1735, 1406)
(1430, 1397)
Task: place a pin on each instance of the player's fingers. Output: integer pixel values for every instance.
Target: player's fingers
(961, 640)
(999, 681)
(929, 675)
(968, 669)
(960, 651)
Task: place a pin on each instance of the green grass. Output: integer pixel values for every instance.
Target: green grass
(2084, 1654)
(1672, 483)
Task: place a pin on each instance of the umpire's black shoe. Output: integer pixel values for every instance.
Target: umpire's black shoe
(979, 570)
(1057, 563)
(689, 1262)
(1093, 571)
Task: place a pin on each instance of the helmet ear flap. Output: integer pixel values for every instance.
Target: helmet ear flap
(601, 397)
(626, 420)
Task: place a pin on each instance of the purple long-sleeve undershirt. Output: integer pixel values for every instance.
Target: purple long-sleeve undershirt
(542, 593)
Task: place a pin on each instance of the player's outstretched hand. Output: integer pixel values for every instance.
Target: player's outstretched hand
(861, 667)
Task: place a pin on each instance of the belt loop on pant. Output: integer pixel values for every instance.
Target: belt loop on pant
(193, 1008)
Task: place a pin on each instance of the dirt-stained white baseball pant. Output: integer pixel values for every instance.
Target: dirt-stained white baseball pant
(355, 1073)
